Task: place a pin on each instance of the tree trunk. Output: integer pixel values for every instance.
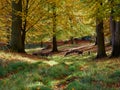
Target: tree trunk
(115, 32)
(54, 40)
(41, 43)
(112, 29)
(23, 33)
(96, 40)
(54, 48)
(23, 40)
(72, 40)
(115, 39)
(16, 42)
(71, 26)
(100, 39)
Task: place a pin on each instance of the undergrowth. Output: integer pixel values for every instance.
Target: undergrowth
(65, 73)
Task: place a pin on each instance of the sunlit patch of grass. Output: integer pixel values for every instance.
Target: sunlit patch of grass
(30, 51)
(73, 58)
(51, 63)
(14, 57)
(68, 46)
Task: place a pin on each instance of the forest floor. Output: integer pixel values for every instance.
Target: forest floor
(59, 72)
(86, 46)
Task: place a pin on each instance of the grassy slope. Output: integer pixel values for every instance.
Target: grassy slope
(65, 73)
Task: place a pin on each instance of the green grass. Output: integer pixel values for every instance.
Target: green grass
(67, 73)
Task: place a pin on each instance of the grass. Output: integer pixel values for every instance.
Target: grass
(65, 73)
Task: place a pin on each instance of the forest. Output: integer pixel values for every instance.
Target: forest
(59, 44)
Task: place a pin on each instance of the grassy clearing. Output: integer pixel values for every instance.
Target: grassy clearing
(65, 73)
(30, 51)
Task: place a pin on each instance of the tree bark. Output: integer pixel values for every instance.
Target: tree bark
(115, 38)
(54, 40)
(115, 34)
(16, 41)
(41, 43)
(100, 39)
(54, 48)
(72, 40)
(96, 40)
(23, 39)
(112, 29)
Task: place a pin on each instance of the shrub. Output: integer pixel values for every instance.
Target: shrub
(58, 71)
(76, 85)
(14, 66)
(3, 71)
(86, 79)
(115, 76)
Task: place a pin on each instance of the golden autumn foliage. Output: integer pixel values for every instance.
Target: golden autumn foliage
(71, 19)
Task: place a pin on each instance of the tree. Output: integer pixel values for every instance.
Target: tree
(24, 25)
(27, 20)
(100, 39)
(115, 29)
(16, 40)
(98, 14)
(54, 41)
(5, 20)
